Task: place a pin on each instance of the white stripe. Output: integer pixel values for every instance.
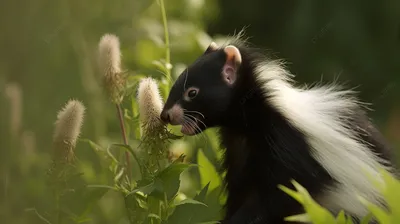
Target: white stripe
(317, 112)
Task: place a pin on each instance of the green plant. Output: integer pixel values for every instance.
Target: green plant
(151, 192)
(316, 214)
(143, 176)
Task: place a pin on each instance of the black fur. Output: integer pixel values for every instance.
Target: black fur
(262, 149)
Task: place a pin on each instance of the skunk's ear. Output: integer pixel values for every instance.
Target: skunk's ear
(213, 47)
(232, 63)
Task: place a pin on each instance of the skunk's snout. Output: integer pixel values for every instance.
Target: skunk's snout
(165, 116)
(173, 115)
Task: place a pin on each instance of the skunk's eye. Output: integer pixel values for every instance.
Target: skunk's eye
(192, 94)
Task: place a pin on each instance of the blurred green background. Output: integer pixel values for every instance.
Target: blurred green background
(48, 55)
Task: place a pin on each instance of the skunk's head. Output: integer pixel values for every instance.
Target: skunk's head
(201, 95)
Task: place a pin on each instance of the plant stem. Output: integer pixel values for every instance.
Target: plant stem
(124, 138)
(58, 207)
(167, 46)
(6, 185)
(166, 205)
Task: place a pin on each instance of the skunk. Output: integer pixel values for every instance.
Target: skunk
(274, 132)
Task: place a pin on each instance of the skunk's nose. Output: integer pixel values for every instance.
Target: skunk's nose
(165, 116)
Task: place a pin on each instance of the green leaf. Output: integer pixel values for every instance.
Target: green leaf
(174, 170)
(119, 175)
(170, 179)
(92, 144)
(187, 213)
(199, 213)
(297, 196)
(154, 205)
(215, 207)
(79, 199)
(298, 218)
(104, 154)
(208, 174)
(154, 216)
(341, 218)
(160, 65)
(101, 186)
(125, 147)
(135, 122)
(391, 192)
(136, 213)
(91, 196)
(367, 219)
(191, 210)
(166, 181)
(130, 150)
(147, 189)
(315, 212)
(94, 194)
(349, 221)
(201, 196)
(190, 201)
(179, 159)
(173, 137)
(378, 212)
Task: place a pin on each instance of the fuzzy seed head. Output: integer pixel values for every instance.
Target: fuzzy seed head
(110, 66)
(28, 140)
(14, 94)
(68, 128)
(150, 104)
